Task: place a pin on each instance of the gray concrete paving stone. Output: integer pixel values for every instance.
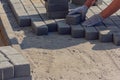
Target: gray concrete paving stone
(77, 31)
(116, 38)
(52, 26)
(91, 33)
(39, 27)
(63, 28)
(57, 14)
(7, 70)
(21, 65)
(73, 19)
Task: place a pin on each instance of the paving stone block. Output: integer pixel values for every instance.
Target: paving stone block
(57, 14)
(16, 7)
(105, 36)
(8, 50)
(73, 19)
(57, 1)
(14, 1)
(1, 74)
(21, 15)
(33, 14)
(63, 28)
(22, 78)
(60, 7)
(78, 2)
(21, 65)
(1, 9)
(29, 7)
(100, 28)
(77, 31)
(81, 2)
(52, 26)
(7, 70)
(3, 58)
(24, 21)
(116, 38)
(26, 2)
(99, 2)
(91, 33)
(38, 4)
(39, 27)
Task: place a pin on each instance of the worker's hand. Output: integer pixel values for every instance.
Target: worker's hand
(80, 10)
(95, 19)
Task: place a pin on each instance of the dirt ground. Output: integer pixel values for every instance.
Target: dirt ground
(60, 57)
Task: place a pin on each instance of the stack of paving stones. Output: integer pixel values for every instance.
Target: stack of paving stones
(21, 16)
(13, 66)
(105, 32)
(57, 8)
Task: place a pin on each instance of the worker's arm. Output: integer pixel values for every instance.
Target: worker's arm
(98, 18)
(112, 8)
(82, 9)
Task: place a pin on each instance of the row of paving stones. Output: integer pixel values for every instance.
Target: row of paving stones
(108, 31)
(13, 66)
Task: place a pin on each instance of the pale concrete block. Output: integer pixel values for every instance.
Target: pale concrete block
(8, 50)
(21, 65)
(39, 27)
(57, 14)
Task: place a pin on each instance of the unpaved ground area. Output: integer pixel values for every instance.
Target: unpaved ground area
(58, 57)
